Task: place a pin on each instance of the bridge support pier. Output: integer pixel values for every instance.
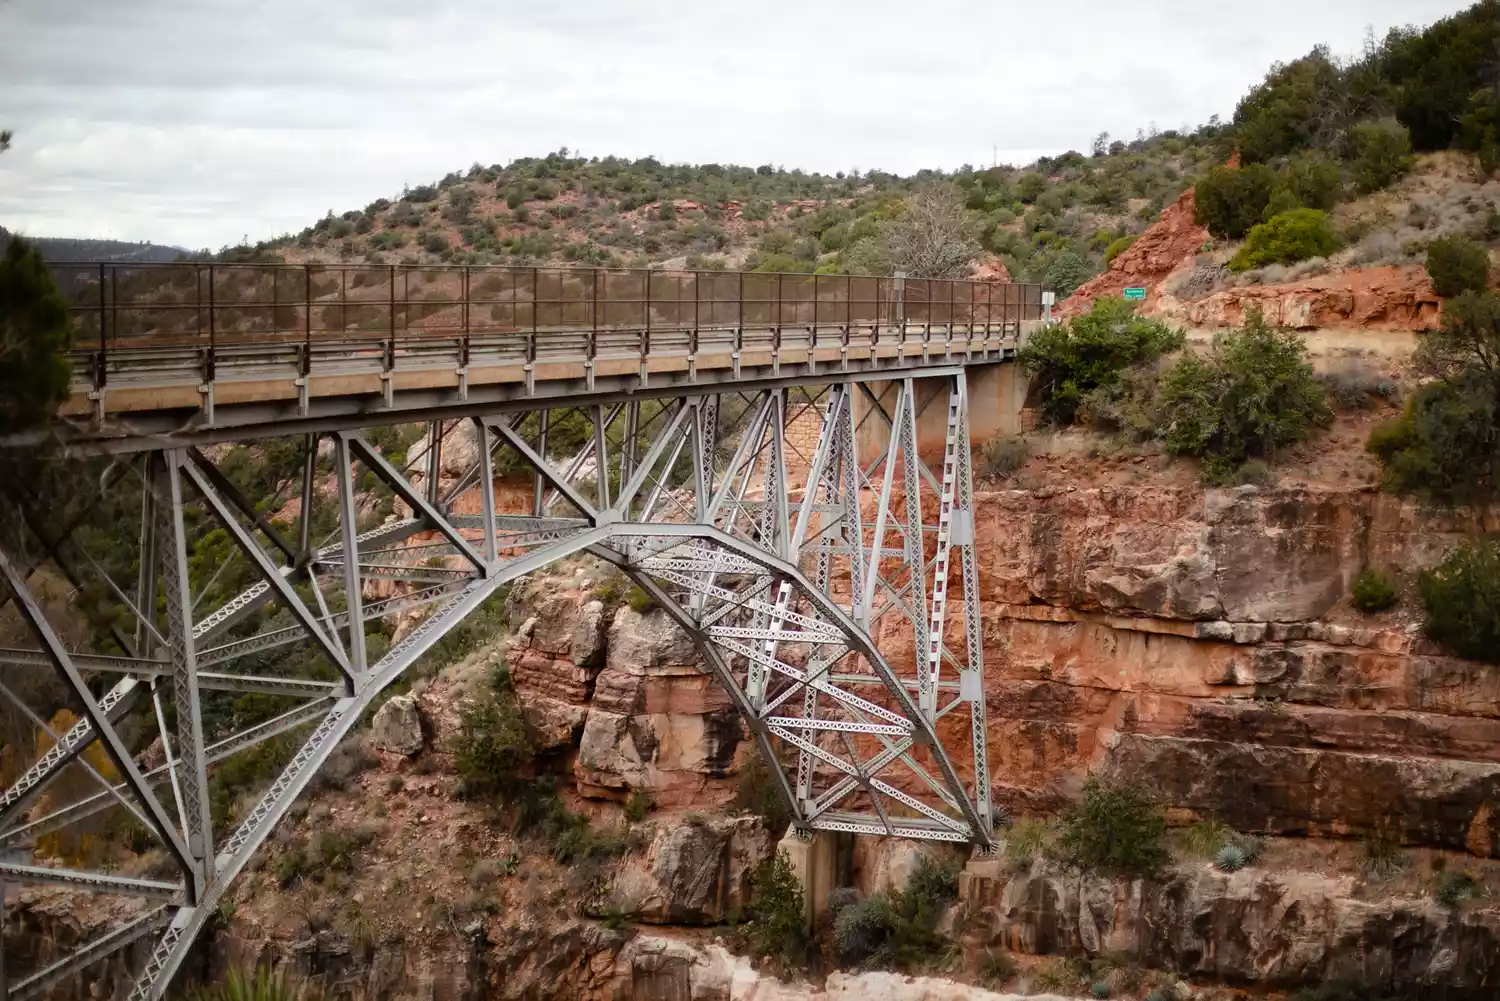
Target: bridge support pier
(997, 395)
(823, 862)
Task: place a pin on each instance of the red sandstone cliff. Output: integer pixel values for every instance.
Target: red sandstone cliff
(1168, 244)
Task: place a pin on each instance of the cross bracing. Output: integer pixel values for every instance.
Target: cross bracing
(784, 524)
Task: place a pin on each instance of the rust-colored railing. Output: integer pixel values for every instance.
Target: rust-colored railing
(139, 306)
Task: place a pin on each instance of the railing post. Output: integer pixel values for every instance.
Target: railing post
(100, 369)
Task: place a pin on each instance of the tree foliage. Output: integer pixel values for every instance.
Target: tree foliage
(1282, 114)
(1070, 360)
(1462, 596)
(1231, 200)
(1382, 154)
(34, 339)
(933, 238)
(778, 926)
(1116, 829)
(1252, 395)
(1292, 236)
(1446, 445)
(1457, 265)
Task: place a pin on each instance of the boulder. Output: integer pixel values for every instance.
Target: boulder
(397, 726)
(658, 720)
(551, 723)
(690, 872)
(1282, 928)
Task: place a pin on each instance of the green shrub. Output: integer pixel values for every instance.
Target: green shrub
(1457, 265)
(1314, 182)
(860, 929)
(995, 968)
(1231, 200)
(1063, 271)
(637, 806)
(1462, 597)
(1286, 239)
(1254, 394)
(1115, 829)
(760, 793)
(1373, 592)
(1455, 887)
(1382, 154)
(1383, 854)
(491, 750)
(1003, 456)
(899, 930)
(1092, 351)
(1446, 446)
(1119, 247)
(778, 925)
(262, 985)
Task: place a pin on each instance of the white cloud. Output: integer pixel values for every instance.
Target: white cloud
(198, 122)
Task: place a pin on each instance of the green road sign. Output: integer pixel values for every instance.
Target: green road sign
(1135, 293)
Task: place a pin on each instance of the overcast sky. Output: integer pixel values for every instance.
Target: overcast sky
(199, 122)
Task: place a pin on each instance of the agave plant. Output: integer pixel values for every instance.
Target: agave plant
(1231, 858)
(261, 985)
(1099, 989)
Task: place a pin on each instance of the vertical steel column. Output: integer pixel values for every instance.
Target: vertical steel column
(852, 529)
(486, 490)
(145, 593)
(434, 460)
(971, 679)
(353, 588)
(915, 558)
(601, 459)
(309, 488)
(167, 482)
(627, 447)
(934, 652)
(539, 484)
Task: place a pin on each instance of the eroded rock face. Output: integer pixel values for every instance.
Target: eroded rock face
(1167, 244)
(658, 719)
(397, 726)
(1253, 926)
(690, 873)
(1388, 298)
(1201, 643)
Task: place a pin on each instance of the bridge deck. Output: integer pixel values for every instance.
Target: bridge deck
(166, 348)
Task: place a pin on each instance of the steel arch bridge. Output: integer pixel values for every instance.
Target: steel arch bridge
(752, 463)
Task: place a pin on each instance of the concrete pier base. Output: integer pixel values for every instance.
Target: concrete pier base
(980, 883)
(823, 862)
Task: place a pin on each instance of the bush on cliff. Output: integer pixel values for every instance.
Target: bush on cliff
(1373, 592)
(1231, 200)
(1446, 446)
(898, 930)
(1116, 829)
(1457, 265)
(1462, 595)
(777, 925)
(1092, 351)
(1287, 238)
(1254, 394)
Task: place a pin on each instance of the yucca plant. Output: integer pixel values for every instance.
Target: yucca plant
(1231, 858)
(260, 985)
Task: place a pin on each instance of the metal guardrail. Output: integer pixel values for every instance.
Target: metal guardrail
(212, 305)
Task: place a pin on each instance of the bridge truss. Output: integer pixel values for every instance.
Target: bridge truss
(792, 531)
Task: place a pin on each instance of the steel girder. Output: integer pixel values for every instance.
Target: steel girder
(786, 530)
